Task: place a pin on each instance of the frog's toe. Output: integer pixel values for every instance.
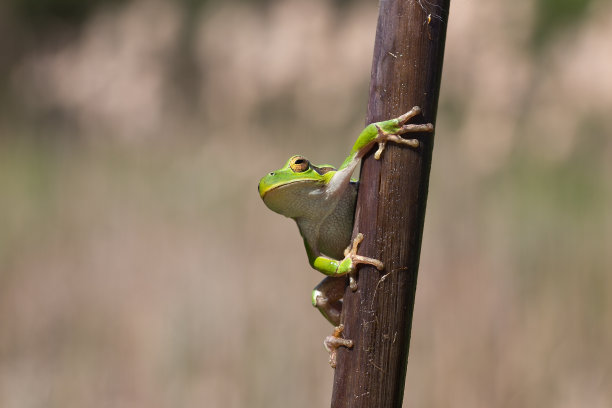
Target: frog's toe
(351, 253)
(410, 114)
(333, 342)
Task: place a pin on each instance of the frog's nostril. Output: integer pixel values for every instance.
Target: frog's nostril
(271, 173)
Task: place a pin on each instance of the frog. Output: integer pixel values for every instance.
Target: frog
(321, 200)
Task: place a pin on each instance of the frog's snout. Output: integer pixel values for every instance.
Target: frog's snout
(271, 174)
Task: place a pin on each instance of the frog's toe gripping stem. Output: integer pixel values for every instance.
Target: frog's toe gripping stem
(334, 341)
(410, 114)
(384, 137)
(351, 252)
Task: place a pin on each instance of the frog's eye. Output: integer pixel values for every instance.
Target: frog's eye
(299, 164)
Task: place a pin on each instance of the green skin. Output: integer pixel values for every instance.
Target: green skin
(322, 201)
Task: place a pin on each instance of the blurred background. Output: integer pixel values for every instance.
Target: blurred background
(139, 268)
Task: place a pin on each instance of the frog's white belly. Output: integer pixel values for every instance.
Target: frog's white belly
(336, 229)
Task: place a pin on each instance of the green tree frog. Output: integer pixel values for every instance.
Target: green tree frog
(322, 202)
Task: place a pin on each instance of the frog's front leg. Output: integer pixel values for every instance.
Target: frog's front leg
(389, 131)
(381, 133)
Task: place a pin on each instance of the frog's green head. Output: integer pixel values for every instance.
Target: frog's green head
(289, 188)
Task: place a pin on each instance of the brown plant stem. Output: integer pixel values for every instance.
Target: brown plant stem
(406, 71)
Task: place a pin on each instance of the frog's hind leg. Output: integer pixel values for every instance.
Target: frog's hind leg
(327, 297)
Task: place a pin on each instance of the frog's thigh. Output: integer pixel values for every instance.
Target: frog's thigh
(327, 296)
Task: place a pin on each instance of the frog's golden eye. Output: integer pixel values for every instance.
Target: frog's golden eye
(299, 164)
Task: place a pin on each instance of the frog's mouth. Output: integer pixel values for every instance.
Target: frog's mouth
(264, 188)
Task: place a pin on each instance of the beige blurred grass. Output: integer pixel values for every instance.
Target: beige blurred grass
(139, 267)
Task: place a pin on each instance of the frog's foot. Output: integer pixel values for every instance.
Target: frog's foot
(384, 137)
(351, 252)
(334, 341)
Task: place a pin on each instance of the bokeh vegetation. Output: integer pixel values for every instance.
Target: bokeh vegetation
(139, 268)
